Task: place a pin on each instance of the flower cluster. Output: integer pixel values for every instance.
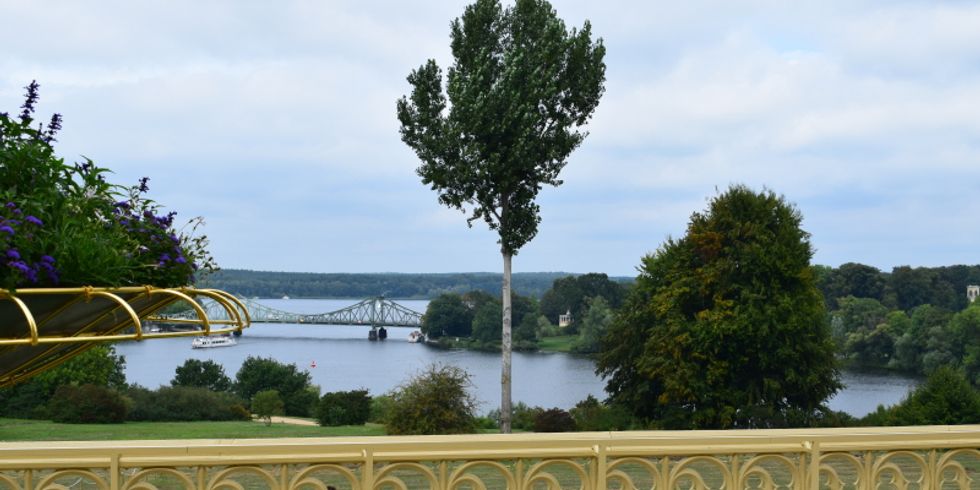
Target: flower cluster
(66, 225)
(17, 232)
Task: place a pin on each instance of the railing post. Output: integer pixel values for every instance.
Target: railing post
(600, 466)
(114, 472)
(367, 473)
(813, 471)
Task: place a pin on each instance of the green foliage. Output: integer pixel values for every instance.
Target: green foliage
(267, 284)
(266, 404)
(593, 326)
(519, 87)
(554, 420)
(66, 225)
(98, 365)
(946, 398)
(725, 318)
(259, 374)
(380, 406)
(344, 408)
(87, 404)
(206, 374)
(434, 401)
(522, 416)
(572, 294)
(486, 323)
(183, 403)
(592, 415)
(447, 315)
(965, 327)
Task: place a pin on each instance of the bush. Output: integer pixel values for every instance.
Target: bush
(521, 418)
(184, 403)
(380, 406)
(267, 403)
(260, 374)
(592, 415)
(344, 408)
(946, 398)
(554, 420)
(87, 404)
(435, 401)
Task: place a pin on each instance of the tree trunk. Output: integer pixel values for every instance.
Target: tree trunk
(505, 404)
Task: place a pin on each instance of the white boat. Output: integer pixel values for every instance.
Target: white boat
(416, 337)
(208, 342)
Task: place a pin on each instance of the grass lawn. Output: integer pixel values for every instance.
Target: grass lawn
(561, 343)
(42, 430)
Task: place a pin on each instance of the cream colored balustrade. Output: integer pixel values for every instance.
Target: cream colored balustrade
(870, 458)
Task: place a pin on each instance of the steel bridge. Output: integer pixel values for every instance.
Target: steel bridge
(373, 312)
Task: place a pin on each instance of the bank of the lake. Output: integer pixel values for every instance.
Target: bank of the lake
(341, 358)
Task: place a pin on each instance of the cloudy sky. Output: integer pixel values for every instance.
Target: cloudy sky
(276, 122)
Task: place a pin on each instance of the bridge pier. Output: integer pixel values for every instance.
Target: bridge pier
(377, 333)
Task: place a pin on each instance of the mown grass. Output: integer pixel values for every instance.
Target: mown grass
(561, 343)
(41, 430)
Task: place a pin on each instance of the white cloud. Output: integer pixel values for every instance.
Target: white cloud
(282, 117)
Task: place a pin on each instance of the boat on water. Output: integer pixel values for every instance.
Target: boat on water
(416, 337)
(208, 342)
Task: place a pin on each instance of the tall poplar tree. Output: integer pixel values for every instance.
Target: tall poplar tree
(519, 88)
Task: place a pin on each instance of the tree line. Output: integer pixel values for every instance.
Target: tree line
(265, 284)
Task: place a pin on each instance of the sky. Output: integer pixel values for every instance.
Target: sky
(275, 121)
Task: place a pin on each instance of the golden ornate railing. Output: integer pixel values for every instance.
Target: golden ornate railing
(43, 327)
(868, 458)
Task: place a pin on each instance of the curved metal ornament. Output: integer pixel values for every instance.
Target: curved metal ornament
(44, 327)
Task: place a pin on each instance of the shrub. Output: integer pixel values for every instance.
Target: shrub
(184, 403)
(521, 418)
(435, 401)
(344, 408)
(87, 404)
(945, 398)
(554, 420)
(260, 374)
(592, 415)
(267, 403)
(380, 406)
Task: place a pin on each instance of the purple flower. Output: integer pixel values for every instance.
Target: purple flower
(13, 254)
(11, 205)
(34, 221)
(164, 258)
(143, 187)
(19, 265)
(47, 259)
(123, 204)
(9, 230)
(181, 259)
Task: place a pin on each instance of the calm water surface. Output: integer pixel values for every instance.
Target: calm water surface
(345, 360)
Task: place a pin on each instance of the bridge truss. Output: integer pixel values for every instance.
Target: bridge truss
(373, 312)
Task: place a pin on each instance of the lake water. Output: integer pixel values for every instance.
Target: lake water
(345, 360)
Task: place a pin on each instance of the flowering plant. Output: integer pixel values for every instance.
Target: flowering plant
(65, 225)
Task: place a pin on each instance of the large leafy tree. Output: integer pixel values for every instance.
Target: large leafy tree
(447, 315)
(725, 327)
(519, 88)
(292, 385)
(205, 374)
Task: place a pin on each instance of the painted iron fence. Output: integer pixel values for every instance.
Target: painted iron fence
(937, 457)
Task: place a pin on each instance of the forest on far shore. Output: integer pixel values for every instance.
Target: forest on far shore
(902, 288)
(265, 284)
